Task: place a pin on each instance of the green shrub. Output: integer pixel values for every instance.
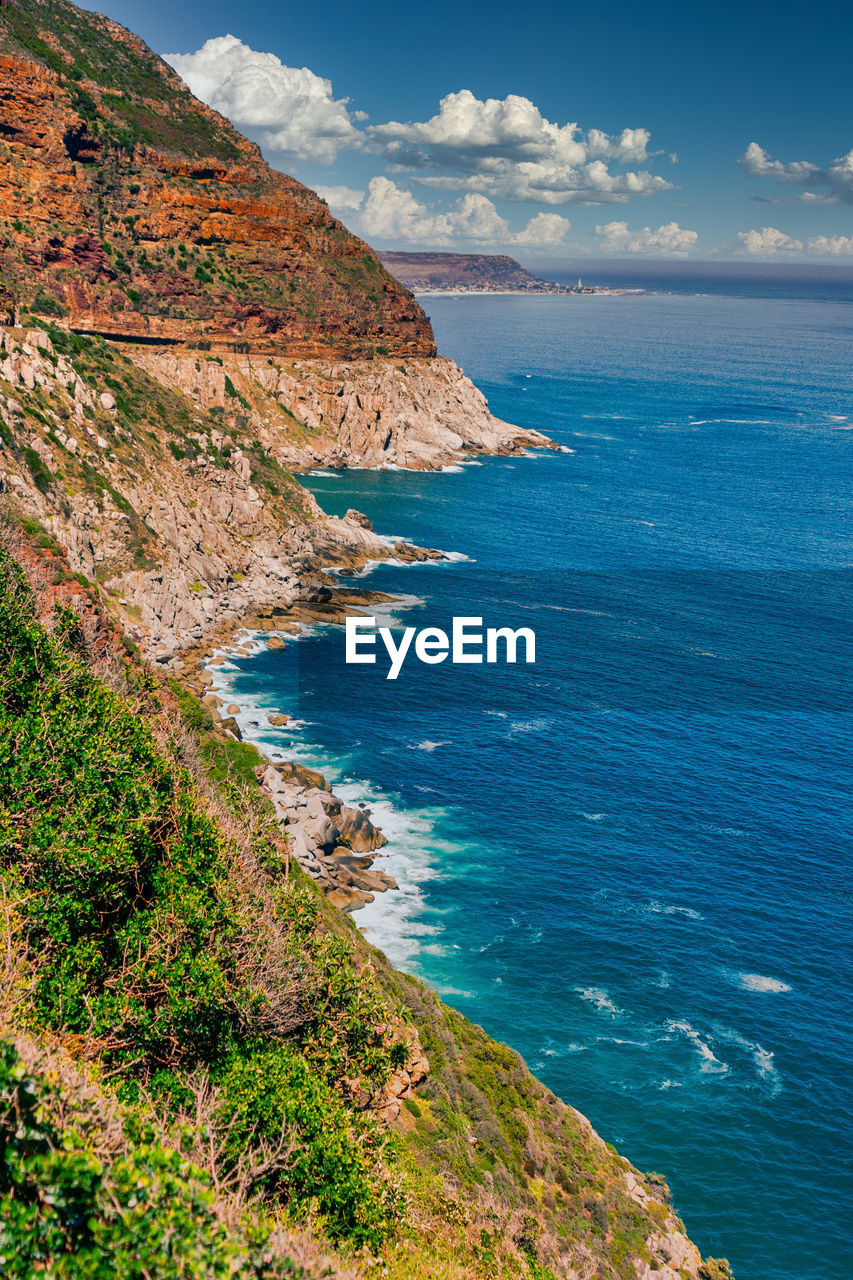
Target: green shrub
(74, 1207)
(136, 930)
(45, 304)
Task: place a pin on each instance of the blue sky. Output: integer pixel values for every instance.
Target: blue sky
(722, 131)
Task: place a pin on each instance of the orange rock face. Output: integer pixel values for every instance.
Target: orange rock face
(137, 212)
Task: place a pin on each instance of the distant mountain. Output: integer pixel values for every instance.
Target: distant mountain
(470, 272)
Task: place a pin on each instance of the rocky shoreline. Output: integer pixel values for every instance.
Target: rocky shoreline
(334, 842)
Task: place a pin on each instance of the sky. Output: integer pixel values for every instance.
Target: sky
(548, 130)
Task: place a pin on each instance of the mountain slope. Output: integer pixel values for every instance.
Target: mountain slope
(137, 212)
(239, 1048)
(246, 1087)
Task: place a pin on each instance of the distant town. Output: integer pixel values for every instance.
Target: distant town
(475, 273)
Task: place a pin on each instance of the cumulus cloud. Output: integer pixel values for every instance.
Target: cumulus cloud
(340, 199)
(616, 237)
(290, 109)
(757, 163)
(506, 149)
(834, 245)
(765, 242)
(501, 148)
(837, 176)
(389, 213)
(545, 230)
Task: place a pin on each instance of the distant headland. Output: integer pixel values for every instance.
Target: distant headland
(472, 273)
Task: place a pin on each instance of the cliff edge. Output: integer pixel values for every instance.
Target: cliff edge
(204, 1069)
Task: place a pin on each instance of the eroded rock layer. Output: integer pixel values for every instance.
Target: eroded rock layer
(135, 211)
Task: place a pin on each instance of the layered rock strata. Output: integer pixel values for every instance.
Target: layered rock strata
(135, 211)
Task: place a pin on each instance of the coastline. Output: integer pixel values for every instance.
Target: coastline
(527, 293)
(337, 827)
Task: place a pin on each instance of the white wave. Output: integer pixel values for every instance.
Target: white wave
(600, 1000)
(530, 726)
(386, 613)
(711, 1064)
(564, 448)
(759, 982)
(332, 475)
(429, 745)
(391, 539)
(732, 422)
(762, 1059)
(666, 909)
(594, 817)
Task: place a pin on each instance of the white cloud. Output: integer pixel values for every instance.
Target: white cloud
(340, 199)
(766, 242)
(501, 148)
(837, 176)
(835, 245)
(545, 230)
(291, 108)
(389, 213)
(670, 238)
(506, 149)
(757, 163)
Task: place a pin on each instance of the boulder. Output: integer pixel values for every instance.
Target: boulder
(358, 832)
(291, 772)
(375, 881)
(348, 899)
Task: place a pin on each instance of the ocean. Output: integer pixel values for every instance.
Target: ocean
(630, 860)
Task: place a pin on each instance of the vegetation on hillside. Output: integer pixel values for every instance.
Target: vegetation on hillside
(168, 218)
(139, 101)
(163, 955)
(76, 453)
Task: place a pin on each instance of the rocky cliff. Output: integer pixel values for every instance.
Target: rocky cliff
(185, 517)
(134, 210)
(420, 415)
(180, 330)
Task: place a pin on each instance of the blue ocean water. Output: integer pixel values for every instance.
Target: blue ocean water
(631, 861)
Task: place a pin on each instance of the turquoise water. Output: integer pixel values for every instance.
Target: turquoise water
(631, 861)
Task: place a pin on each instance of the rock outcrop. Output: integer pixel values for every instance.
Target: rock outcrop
(419, 414)
(137, 212)
(185, 527)
(333, 842)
